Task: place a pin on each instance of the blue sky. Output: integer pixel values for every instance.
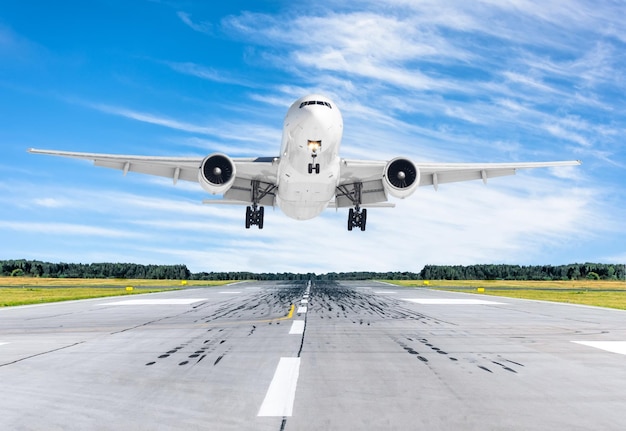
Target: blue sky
(454, 81)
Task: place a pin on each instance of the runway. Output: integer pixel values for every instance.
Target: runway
(329, 356)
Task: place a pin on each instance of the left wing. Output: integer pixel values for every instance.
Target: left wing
(176, 168)
(261, 169)
(374, 180)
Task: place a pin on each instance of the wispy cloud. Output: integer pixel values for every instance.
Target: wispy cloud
(209, 74)
(202, 27)
(66, 229)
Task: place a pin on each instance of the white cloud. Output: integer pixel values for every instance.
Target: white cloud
(202, 27)
(66, 229)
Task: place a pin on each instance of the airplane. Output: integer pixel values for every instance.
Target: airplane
(308, 175)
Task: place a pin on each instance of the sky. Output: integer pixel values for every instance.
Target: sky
(454, 81)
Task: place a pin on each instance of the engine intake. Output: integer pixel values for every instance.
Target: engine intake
(401, 177)
(217, 173)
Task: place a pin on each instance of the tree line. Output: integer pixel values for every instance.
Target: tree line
(34, 268)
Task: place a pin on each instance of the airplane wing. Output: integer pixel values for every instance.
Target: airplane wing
(369, 176)
(262, 169)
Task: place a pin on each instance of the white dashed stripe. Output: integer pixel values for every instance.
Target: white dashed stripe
(301, 309)
(282, 391)
(297, 327)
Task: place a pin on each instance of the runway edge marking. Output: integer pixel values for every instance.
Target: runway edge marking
(608, 346)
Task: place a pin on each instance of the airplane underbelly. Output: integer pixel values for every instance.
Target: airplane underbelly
(304, 200)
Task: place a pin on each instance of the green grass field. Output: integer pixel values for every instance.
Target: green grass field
(26, 290)
(611, 294)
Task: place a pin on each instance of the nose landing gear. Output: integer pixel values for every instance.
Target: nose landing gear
(314, 167)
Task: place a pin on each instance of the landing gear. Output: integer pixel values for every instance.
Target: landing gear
(255, 213)
(314, 167)
(357, 218)
(254, 216)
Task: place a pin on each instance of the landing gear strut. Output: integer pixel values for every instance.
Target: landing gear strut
(357, 217)
(256, 213)
(314, 167)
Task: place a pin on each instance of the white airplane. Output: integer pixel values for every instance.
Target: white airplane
(309, 175)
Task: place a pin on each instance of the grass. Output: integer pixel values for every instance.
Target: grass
(26, 290)
(611, 294)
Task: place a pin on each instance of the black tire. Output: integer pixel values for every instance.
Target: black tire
(248, 216)
(261, 217)
(350, 218)
(317, 168)
(310, 168)
(363, 219)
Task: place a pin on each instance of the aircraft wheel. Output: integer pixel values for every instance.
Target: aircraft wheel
(363, 218)
(248, 216)
(261, 217)
(350, 219)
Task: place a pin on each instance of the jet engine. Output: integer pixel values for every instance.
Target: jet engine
(401, 177)
(217, 173)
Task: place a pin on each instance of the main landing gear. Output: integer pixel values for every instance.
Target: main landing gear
(256, 213)
(357, 217)
(254, 216)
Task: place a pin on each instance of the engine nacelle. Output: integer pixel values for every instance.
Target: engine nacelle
(401, 177)
(217, 173)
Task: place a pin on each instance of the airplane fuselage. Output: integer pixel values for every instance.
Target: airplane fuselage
(308, 170)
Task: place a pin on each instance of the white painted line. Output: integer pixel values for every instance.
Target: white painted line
(609, 346)
(388, 292)
(229, 291)
(169, 301)
(304, 301)
(301, 310)
(282, 391)
(450, 301)
(297, 327)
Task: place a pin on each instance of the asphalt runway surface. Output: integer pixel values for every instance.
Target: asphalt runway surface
(349, 356)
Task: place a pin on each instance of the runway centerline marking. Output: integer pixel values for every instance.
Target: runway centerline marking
(302, 309)
(609, 346)
(229, 291)
(297, 327)
(282, 390)
(160, 301)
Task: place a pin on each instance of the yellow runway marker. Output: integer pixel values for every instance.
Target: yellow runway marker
(290, 315)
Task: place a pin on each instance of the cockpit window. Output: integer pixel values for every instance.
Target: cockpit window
(315, 102)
